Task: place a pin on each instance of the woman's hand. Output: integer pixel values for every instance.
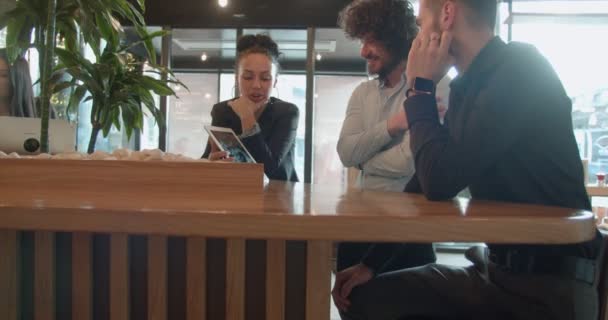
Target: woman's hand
(217, 155)
(246, 110)
(220, 156)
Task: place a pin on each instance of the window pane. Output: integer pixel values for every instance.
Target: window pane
(188, 114)
(198, 55)
(292, 88)
(331, 100)
(227, 86)
(3, 38)
(561, 7)
(576, 52)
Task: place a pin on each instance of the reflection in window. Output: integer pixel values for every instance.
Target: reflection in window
(331, 99)
(188, 114)
(3, 38)
(571, 42)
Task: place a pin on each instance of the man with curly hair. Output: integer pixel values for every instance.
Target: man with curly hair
(507, 137)
(374, 138)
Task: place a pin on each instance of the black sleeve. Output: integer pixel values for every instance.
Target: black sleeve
(218, 119)
(282, 138)
(509, 105)
(413, 186)
(378, 255)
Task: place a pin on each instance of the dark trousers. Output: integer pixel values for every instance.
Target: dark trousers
(479, 292)
(407, 255)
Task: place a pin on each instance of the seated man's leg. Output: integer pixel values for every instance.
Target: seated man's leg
(411, 255)
(481, 291)
(407, 255)
(434, 291)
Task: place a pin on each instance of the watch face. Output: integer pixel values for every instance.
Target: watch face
(424, 85)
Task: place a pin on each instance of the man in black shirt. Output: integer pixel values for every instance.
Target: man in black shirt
(508, 137)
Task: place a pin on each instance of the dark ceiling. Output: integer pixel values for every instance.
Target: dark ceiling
(244, 13)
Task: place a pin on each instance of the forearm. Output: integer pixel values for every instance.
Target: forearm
(396, 162)
(357, 147)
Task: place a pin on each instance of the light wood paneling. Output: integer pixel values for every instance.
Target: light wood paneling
(235, 279)
(9, 275)
(196, 250)
(82, 276)
(318, 280)
(135, 183)
(119, 277)
(44, 275)
(332, 214)
(157, 278)
(275, 280)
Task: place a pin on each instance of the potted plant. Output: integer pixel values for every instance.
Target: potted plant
(116, 85)
(38, 23)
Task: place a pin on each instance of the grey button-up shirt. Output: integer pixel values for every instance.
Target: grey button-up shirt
(386, 163)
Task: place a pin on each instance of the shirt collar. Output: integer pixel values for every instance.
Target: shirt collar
(381, 84)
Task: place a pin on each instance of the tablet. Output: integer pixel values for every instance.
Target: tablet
(227, 140)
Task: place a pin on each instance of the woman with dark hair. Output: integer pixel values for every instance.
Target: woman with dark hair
(16, 93)
(266, 125)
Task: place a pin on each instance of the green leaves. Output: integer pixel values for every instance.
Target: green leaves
(115, 83)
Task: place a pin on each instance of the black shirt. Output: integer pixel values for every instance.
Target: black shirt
(507, 136)
(274, 146)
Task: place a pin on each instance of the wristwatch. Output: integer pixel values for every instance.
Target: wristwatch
(252, 131)
(421, 86)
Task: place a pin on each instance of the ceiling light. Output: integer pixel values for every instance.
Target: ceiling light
(204, 57)
(319, 57)
(222, 3)
(207, 95)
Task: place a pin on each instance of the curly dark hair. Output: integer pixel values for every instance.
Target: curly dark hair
(258, 43)
(391, 22)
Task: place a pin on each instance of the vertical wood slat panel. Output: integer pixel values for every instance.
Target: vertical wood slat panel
(119, 277)
(157, 278)
(82, 276)
(318, 280)
(44, 275)
(235, 279)
(275, 280)
(196, 284)
(9, 274)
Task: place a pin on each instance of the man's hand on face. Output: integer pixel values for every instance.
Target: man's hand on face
(429, 57)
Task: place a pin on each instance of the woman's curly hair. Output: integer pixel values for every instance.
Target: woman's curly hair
(258, 43)
(391, 22)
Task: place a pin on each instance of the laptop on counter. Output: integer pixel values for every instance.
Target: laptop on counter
(22, 135)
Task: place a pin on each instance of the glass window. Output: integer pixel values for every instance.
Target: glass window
(331, 99)
(198, 57)
(188, 113)
(3, 38)
(292, 88)
(569, 35)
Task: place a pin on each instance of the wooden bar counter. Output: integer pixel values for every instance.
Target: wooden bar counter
(217, 255)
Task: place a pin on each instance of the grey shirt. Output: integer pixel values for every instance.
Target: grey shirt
(386, 163)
